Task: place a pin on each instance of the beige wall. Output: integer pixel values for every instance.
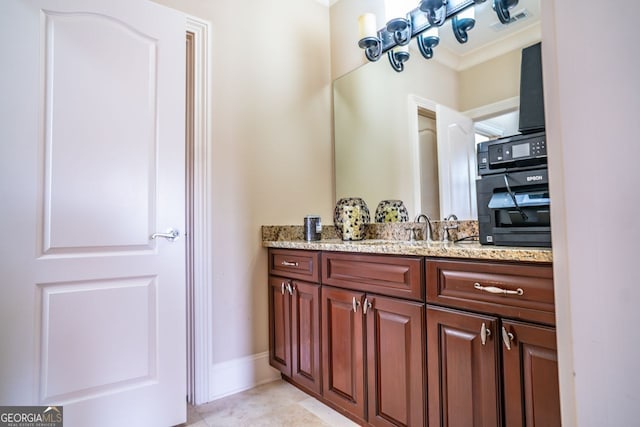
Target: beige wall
(494, 80)
(272, 160)
(345, 53)
(271, 147)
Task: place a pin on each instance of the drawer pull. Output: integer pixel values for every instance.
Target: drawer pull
(289, 263)
(484, 333)
(495, 290)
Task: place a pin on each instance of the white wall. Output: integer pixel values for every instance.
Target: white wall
(272, 152)
(592, 106)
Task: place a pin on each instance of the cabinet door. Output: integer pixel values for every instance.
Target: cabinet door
(305, 335)
(462, 371)
(395, 361)
(343, 349)
(530, 372)
(279, 325)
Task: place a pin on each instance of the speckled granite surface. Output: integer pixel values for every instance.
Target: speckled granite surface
(392, 239)
(385, 231)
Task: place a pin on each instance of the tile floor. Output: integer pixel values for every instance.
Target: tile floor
(274, 404)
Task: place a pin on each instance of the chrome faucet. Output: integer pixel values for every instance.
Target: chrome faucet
(428, 234)
(447, 227)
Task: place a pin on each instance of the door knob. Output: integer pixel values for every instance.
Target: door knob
(484, 333)
(171, 235)
(355, 303)
(507, 337)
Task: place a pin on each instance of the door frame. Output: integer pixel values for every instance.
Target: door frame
(417, 103)
(199, 303)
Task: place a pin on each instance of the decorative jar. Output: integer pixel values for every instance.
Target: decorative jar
(350, 216)
(392, 211)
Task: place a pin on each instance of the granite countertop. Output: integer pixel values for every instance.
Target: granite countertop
(468, 250)
(390, 239)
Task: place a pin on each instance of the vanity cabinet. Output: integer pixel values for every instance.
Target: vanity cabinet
(491, 345)
(392, 340)
(294, 316)
(373, 341)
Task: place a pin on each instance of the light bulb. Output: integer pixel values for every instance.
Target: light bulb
(367, 25)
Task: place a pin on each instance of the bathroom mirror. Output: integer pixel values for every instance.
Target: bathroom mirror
(386, 128)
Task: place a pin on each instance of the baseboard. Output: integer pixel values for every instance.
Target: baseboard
(240, 374)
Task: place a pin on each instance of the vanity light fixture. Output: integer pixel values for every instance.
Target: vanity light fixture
(422, 23)
(463, 22)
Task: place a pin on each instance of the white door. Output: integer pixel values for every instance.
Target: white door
(92, 310)
(456, 163)
(428, 163)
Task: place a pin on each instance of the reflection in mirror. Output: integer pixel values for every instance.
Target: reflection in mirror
(388, 142)
(374, 151)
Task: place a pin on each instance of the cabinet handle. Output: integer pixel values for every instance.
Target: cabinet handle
(290, 288)
(289, 263)
(282, 286)
(355, 303)
(366, 305)
(507, 337)
(495, 290)
(484, 333)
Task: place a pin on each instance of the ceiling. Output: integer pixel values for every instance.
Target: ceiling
(489, 37)
(488, 29)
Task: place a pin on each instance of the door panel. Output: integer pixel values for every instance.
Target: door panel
(396, 369)
(343, 350)
(126, 351)
(462, 372)
(279, 325)
(305, 335)
(102, 131)
(530, 372)
(92, 309)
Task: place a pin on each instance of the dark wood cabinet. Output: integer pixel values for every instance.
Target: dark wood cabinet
(392, 275)
(395, 361)
(343, 350)
(294, 318)
(393, 340)
(386, 334)
(279, 325)
(365, 323)
(462, 368)
(530, 373)
(305, 335)
(483, 368)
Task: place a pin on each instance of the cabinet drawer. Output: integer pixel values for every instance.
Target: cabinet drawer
(303, 265)
(381, 274)
(455, 284)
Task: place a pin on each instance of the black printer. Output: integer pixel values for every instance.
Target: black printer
(513, 184)
(513, 191)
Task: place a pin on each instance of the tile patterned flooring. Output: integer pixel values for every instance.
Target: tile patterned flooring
(273, 404)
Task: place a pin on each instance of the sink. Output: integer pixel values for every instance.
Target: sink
(467, 242)
(372, 242)
(381, 242)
